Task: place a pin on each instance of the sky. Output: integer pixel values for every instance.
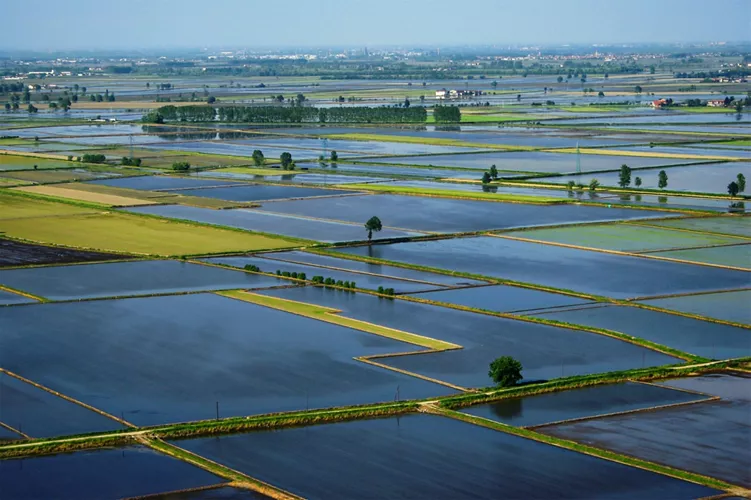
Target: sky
(52, 25)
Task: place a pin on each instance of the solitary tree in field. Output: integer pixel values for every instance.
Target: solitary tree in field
(505, 371)
(662, 179)
(638, 89)
(373, 224)
(258, 158)
(594, 184)
(334, 156)
(733, 188)
(741, 182)
(493, 172)
(485, 178)
(286, 159)
(637, 182)
(624, 178)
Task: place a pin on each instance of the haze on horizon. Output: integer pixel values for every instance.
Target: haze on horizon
(148, 24)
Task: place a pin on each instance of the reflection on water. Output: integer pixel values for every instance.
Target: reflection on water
(508, 410)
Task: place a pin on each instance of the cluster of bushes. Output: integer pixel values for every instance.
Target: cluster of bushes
(130, 162)
(181, 166)
(293, 114)
(386, 291)
(319, 280)
(93, 158)
(287, 274)
(251, 267)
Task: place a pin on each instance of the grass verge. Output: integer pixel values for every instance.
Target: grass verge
(330, 315)
(464, 195)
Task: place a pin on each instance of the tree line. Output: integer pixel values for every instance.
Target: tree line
(293, 114)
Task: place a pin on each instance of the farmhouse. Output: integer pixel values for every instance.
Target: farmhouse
(716, 103)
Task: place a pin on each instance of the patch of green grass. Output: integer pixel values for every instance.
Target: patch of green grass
(91, 227)
(330, 315)
(743, 142)
(727, 225)
(447, 193)
(18, 162)
(732, 256)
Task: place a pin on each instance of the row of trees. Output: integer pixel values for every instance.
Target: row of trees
(294, 114)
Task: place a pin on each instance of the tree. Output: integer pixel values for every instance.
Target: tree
(211, 99)
(485, 178)
(570, 185)
(594, 184)
(662, 180)
(601, 94)
(638, 89)
(181, 166)
(31, 109)
(258, 158)
(741, 181)
(286, 160)
(637, 182)
(624, 177)
(406, 102)
(334, 156)
(494, 84)
(505, 371)
(493, 172)
(373, 224)
(560, 79)
(733, 188)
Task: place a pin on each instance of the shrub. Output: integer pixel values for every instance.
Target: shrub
(181, 166)
(251, 267)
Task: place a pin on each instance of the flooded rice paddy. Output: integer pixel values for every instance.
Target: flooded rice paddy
(710, 340)
(171, 359)
(564, 268)
(728, 306)
(708, 438)
(112, 473)
(86, 281)
(580, 403)
(285, 225)
(433, 455)
(544, 351)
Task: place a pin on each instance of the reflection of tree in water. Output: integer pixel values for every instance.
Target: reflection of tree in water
(489, 189)
(737, 206)
(448, 128)
(662, 199)
(624, 197)
(507, 410)
(593, 195)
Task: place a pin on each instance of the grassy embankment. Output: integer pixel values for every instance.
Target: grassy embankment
(331, 315)
(91, 226)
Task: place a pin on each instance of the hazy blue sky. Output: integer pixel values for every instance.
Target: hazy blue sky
(95, 24)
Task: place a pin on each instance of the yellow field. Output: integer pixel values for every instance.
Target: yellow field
(80, 227)
(75, 194)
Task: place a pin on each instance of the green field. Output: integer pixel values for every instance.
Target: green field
(732, 225)
(623, 237)
(733, 256)
(81, 227)
(17, 162)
